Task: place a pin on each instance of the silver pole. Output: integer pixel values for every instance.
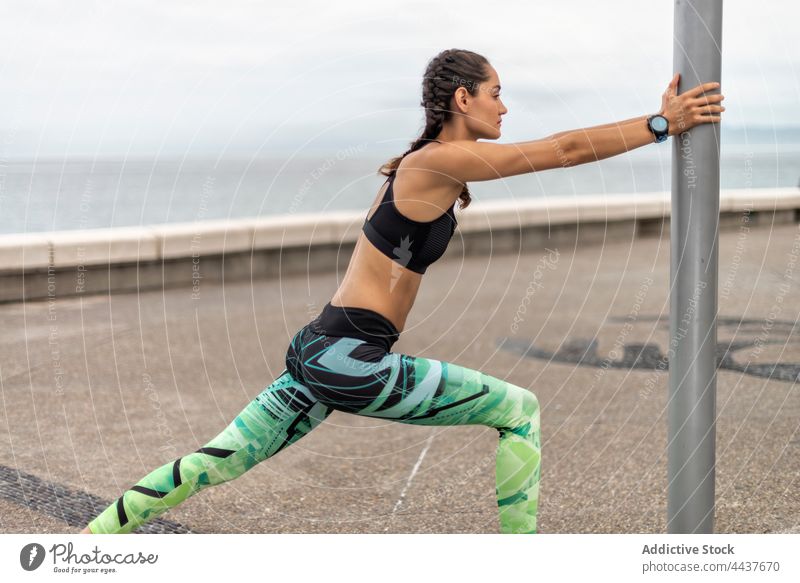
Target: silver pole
(694, 229)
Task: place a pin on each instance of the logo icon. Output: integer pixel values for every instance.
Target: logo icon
(31, 556)
(403, 254)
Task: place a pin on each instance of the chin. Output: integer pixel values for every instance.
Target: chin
(490, 136)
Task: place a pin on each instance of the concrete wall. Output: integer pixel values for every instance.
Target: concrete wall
(59, 263)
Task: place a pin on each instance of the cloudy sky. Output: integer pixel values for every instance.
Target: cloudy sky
(247, 78)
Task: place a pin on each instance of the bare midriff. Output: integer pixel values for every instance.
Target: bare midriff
(376, 282)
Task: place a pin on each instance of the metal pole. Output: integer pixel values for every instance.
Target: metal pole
(694, 227)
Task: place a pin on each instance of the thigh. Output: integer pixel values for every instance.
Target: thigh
(436, 392)
(351, 375)
(281, 414)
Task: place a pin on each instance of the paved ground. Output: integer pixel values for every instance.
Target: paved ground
(98, 391)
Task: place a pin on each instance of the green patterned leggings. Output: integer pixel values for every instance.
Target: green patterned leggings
(325, 373)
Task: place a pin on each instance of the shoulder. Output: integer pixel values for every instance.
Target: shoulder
(421, 191)
(426, 169)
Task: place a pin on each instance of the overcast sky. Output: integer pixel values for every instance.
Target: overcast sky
(243, 78)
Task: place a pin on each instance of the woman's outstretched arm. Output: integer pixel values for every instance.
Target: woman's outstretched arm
(470, 161)
(682, 112)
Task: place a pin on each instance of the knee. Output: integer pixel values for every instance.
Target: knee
(527, 418)
(530, 405)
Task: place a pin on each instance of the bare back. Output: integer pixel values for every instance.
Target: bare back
(373, 280)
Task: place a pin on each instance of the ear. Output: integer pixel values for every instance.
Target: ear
(462, 100)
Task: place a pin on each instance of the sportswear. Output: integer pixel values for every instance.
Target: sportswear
(340, 361)
(413, 244)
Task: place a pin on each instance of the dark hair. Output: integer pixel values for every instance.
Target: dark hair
(446, 72)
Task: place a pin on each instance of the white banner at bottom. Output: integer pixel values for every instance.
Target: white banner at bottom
(399, 557)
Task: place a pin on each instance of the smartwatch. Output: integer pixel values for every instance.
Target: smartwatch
(659, 125)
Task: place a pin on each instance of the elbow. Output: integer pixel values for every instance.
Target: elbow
(575, 147)
(569, 149)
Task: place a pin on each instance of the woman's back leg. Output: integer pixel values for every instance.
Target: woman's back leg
(281, 414)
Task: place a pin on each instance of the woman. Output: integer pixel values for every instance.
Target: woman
(342, 359)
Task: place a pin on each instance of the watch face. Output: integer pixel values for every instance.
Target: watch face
(659, 123)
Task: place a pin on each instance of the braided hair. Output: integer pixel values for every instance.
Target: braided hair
(446, 72)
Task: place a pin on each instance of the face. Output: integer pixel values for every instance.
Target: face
(483, 111)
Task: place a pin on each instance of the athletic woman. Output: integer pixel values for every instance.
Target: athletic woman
(342, 359)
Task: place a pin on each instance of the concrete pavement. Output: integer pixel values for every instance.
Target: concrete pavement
(99, 390)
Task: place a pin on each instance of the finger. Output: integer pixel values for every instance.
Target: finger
(672, 88)
(711, 109)
(706, 99)
(695, 91)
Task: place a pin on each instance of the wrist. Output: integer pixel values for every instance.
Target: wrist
(659, 126)
(673, 123)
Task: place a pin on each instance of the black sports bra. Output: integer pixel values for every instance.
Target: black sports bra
(412, 244)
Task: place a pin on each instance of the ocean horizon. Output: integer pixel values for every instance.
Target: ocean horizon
(80, 192)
